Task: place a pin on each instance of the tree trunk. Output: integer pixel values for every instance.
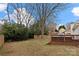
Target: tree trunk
(42, 29)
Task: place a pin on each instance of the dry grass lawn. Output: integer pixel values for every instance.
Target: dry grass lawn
(37, 47)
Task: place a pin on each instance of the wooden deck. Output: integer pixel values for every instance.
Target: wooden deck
(64, 40)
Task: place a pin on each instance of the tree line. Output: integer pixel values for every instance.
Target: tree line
(42, 15)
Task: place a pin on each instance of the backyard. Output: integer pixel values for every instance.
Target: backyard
(37, 47)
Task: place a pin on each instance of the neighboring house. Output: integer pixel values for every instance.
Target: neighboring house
(69, 28)
(73, 28)
(76, 30)
(61, 30)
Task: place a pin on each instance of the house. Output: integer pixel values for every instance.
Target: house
(73, 29)
(70, 29)
(62, 29)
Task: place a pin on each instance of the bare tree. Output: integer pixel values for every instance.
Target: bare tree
(8, 14)
(45, 11)
(23, 16)
(42, 11)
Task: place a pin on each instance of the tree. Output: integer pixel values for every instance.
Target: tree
(22, 15)
(45, 11)
(14, 32)
(8, 14)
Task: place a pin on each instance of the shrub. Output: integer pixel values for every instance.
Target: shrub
(18, 32)
(14, 32)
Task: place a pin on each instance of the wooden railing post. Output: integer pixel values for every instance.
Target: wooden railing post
(64, 36)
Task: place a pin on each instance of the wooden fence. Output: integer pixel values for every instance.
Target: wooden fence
(1, 40)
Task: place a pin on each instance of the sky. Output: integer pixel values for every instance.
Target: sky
(69, 14)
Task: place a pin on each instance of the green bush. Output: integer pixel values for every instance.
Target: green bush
(14, 32)
(36, 29)
(18, 32)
